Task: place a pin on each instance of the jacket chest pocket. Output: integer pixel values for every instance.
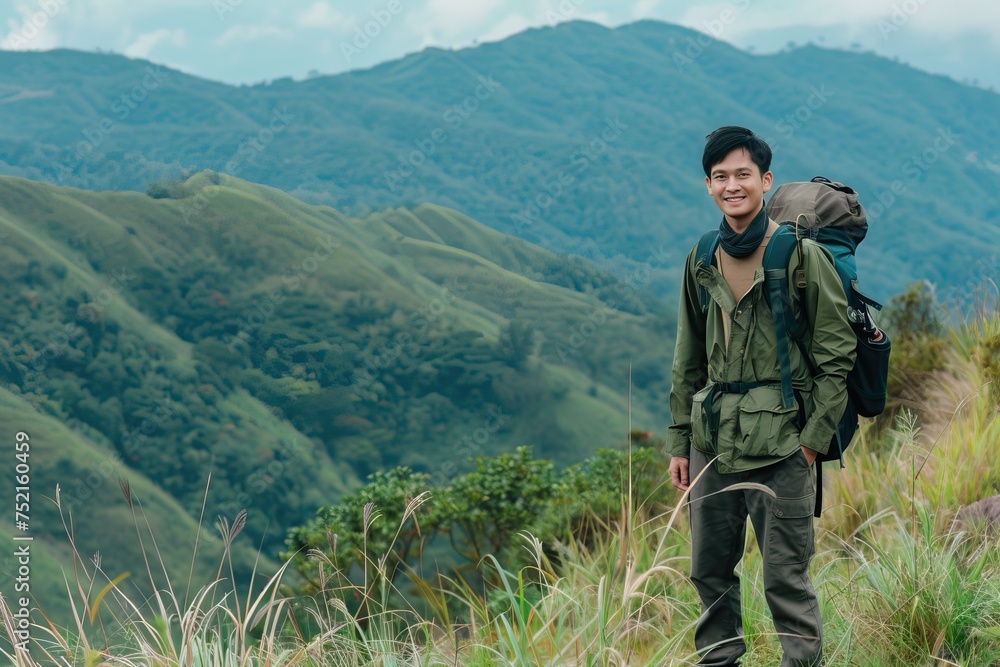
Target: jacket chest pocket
(766, 428)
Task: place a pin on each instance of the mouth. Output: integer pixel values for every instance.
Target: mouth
(735, 200)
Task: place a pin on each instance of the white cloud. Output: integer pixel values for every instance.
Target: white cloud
(460, 17)
(856, 15)
(509, 25)
(960, 36)
(32, 30)
(943, 19)
(599, 17)
(643, 8)
(249, 33)
(547, 13)
(144, 44)
(321, 15)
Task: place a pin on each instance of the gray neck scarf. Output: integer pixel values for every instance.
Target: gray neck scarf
(742, 245)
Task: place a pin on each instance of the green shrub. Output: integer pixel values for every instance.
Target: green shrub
(916, 327)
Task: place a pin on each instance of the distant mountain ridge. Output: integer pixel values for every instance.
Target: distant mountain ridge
(523, 152)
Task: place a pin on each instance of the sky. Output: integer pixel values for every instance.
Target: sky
(249, 41)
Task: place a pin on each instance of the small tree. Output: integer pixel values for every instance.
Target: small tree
(592, 495)
(483, 510)
(916, 328)
(384, 522)
(517, 344)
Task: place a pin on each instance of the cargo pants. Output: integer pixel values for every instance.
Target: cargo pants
(784, 529)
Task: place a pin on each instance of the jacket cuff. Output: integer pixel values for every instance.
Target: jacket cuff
(679, 442)
(817, 436)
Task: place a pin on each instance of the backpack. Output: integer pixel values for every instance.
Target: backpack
(830, 214)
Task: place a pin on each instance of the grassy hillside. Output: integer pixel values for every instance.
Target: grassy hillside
(581, 138)
(90, 506)
(290, 351)
(907, 569)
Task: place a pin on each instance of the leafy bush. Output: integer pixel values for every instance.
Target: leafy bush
(591, 496)
(385, 519)
(484, 509)
(175, 188)
(918, 347)
(987, 355)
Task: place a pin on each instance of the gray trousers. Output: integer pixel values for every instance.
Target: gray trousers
(784, 529)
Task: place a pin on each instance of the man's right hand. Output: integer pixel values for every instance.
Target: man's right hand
(679, 472)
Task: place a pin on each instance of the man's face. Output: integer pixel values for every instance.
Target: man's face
(738, 188)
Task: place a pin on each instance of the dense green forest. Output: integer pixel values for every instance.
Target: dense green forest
(219, 327)
(581, 138)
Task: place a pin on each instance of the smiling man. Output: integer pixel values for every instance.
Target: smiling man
(730, 423)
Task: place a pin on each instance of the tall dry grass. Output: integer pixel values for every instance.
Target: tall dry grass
(902, 581)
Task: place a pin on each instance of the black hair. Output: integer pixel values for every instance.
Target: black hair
(725, 140)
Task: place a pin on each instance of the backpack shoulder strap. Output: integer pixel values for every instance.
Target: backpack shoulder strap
(707, 246)
(777, 255)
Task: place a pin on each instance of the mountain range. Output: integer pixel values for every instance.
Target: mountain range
(583, 139)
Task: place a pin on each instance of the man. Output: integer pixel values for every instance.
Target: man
(730, 425)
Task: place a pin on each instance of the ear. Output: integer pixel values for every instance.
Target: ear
(767, 179)
(708, 183)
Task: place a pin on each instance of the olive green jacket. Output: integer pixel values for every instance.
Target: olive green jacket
(754, 430)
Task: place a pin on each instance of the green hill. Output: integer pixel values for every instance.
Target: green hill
(95, 512)
(291, 350)
(581, 138)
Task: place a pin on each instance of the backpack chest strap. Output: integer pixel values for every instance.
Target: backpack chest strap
(776, 284)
